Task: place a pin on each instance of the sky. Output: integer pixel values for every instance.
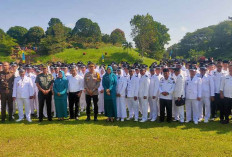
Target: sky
(180, 16)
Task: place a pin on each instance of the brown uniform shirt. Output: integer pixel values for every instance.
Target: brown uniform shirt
(6, 82)
(92, 82)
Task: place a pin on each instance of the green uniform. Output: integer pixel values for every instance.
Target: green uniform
(45, 81)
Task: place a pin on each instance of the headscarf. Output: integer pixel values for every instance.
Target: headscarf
(63, 76)
(111, 76)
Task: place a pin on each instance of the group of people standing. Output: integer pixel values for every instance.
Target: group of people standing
(168, 89)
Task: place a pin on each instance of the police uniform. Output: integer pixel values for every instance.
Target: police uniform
(92, 82)
(45, 81)
(6, 88)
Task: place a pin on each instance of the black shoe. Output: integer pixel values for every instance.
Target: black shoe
(161, 121)
(221, 121)
(95, 119)
(40, 120)
(87, 119)
(49, 119)
(169, 121)
(225, 122)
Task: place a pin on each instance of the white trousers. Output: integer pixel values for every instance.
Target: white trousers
(144, 104)
(153, 108)
(83, 101)
(133, 107)
(32, 105)
(26, 102)
(192, 109)
(179, 112)
(100, 102)
(121, 107)
(205, 102)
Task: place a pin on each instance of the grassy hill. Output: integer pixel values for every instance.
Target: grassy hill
(114, 53)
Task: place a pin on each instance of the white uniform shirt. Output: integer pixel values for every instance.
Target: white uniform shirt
(121, 85)
(154, 86)
(132, 86)
(75, 83)
(207, 86)
(193, 87)
(217, 78)
(179, 87)
(23, 88)
(166, 86)
(144, 83)
(226, 86)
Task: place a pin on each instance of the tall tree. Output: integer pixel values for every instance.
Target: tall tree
(35, 34)
(18, 33)
(149, 36)
(88, 30)
(54, 21)
(117, 36)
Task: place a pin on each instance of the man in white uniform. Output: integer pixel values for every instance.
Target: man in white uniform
(132, 95)
(193, 95)
(207, 94)
(22, 92)
(226, 95)
(153, 95)
(121, 93)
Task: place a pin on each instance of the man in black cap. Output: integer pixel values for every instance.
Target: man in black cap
(193, 95)
(167, 85)
(6, 88)
(207, 94)
(44, 82)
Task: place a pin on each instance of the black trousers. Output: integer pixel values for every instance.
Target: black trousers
(168, 105)
(215, 105)
(73, 100)
(48, 99)
(6, 98)
(88, 102)
(225, 109)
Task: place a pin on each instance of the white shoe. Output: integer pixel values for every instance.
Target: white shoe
(118, 119)
(200, 120)
(187, 121)
(129, 118)
(140, 118)
(19, 120)
(122, 120)
(136, 120)
(195, 122)
(212, 119)
(142, 121)
(29, 120)
(206, 121)
(153, 119)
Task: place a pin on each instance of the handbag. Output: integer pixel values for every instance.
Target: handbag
(180, 102)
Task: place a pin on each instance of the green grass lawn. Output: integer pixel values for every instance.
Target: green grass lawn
(80, 138)
(114, 53)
